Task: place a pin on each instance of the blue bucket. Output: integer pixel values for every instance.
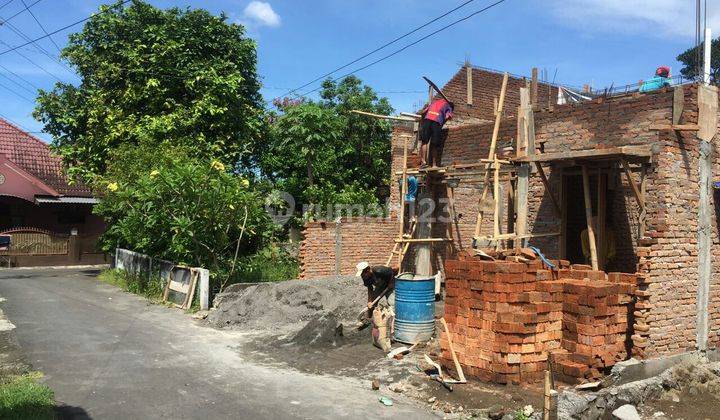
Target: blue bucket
(414, 308)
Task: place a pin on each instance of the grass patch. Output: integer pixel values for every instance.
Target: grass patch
(272, 263)
(22, 397)
(152, 290)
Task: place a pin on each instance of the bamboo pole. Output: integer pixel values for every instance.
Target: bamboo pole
(496, 197)
(384, 117)
(547, 406)
(491, 153)
(403, 190)
(588, 219)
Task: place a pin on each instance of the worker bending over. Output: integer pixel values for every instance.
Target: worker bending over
(661, 79)
(434, 116)
(380, 282)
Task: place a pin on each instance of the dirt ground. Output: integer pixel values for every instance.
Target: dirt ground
(288, 328)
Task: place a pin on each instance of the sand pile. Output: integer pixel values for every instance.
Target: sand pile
(290, 304)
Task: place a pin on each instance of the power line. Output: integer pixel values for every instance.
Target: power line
(19, 95)
(37, 46)
(32, 62)
(381, 47)
(33, 85)
(41, 25)
(6, 3)
(63, 28)
(16, 83)
(484, 9)
(21, 11)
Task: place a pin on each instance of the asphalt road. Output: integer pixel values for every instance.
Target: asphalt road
(108, 354)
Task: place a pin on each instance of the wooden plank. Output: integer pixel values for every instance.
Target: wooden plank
(384, 117)
(469, 73)
(534, 85)
(437, 89)
(678, 104)
(591, 154)
(643, 211)
(588, 219)
(421, 240)
(546, 183)
(458, 367)
(707, 112)
(512, 236)
(633, 186)
(674, 127)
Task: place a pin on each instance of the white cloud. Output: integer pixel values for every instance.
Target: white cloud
(261, 13)
(663, 18)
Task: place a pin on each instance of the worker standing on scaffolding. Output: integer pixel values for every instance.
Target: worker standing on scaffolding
(434, 116)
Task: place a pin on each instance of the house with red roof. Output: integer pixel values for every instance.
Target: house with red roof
(48, 218)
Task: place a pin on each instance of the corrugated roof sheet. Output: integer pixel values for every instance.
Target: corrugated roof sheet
(66, 200)
(34, 156)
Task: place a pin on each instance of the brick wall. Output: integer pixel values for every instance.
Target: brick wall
(486, 89)
(667, 256)
(358, 239)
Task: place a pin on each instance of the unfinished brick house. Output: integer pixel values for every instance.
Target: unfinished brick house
(637, 168)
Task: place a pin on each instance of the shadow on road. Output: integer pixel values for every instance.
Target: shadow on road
(67, 412)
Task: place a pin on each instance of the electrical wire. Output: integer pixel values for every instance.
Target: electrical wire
(379, 48)
(31, 84)
(43, 69)
(6, 3)
(25, 88)
(37, 46)
(484, 9)
(41, 25)
(19, 95)
(63, 28)
(21, 11)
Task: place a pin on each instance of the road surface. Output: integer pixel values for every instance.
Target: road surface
(109, 354)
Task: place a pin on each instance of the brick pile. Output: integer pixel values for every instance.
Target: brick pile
(506, 317)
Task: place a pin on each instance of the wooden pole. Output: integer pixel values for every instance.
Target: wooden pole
(588, 219)
(458, 367)
(548, 395)
(403, 190)
(496, 197)
(491, 153)
(384, 117)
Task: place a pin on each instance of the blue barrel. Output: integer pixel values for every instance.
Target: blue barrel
(414, 308)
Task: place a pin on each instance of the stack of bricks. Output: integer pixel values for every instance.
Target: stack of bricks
(506, 317)
(595, 325)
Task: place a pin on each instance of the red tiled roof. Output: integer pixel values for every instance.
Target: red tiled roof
(34, 156)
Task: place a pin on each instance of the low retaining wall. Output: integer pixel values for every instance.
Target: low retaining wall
(147, 267)
(506, 318)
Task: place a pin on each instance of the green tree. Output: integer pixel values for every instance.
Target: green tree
(691, 68)
(162, 202)
(180, 77)
(323, 154)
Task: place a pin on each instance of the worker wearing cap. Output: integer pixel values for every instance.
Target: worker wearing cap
(435, 116)
(661, 79)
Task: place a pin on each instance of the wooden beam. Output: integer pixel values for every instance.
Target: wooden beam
(546, 183)
(601, 219)
(707, 112)
(496, 197)
(591, 154)
(509, 236)
(534, 93)
(403, 190)
(674, 127)
(469, 72)
(678, 104)
(384, 117)
(421, 240)
(635, 190)
(588, 219)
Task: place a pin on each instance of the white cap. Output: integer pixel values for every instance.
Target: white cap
(361, 266)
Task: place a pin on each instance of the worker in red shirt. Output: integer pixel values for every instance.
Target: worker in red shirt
(434, 116)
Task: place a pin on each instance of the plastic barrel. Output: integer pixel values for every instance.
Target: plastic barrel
(414, 308)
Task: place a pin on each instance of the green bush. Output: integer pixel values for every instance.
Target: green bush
(272, 263)
(22, 397)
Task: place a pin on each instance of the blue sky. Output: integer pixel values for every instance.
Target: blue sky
(598, 42)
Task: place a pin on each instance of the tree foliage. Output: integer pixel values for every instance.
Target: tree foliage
(321, 153)
(193, 211)
(149, 77)
(691, 68)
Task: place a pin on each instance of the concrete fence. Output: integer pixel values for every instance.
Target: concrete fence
(146, 267)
